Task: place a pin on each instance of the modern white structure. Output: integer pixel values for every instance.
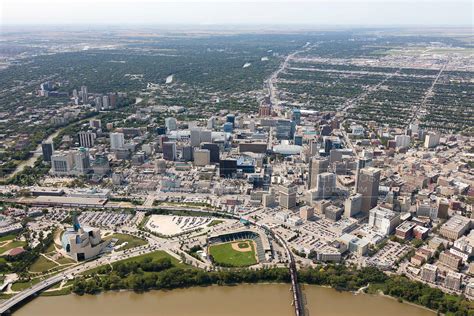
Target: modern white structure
(402, 141)
(62, 163)
(431, 140)
(383, 220)
(82, 243)
(117, 140)
(81, 161)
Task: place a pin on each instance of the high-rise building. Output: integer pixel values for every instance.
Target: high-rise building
(47, 148)
(443, 207)
(325, 185)
(105, 102)
(453, 280)
(227, 167)
(431, 140)
(296, 116)
(383, 220)
(429, 273)
(187, 153)
(228, 127)
(62, 163)
(306, 212)
(353, 205)
(169, 151)
(313, 147)
(206, 136)
(202, 157)
(288, 195)
(264, 110)
(317, 165)
(230, 118)
(112, 100)
(211, 122)
(368, 186)
(87, 139)
(285, 129)
(95, 123)
(117, 140)
(98, 103)
(171, 124)
(84, 94)
(195, 135)
(402, 141)
(213, 149)
(82, 163)
(335, 155)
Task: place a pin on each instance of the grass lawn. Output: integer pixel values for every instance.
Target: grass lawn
(42, 264)
(65, 260)
(154, 255)
(7, 237)
(11, 245)
(131, 241)
(224, 255)
(20, 286)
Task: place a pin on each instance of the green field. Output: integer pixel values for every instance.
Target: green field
(159, 254)
(11, 245)
(42, 264)
(225, 256)
(131, 241)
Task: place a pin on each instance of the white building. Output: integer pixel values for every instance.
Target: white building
(383, 220)
(402, 141)
(431, 140)
(81, 161)
(117, 141)
(82, 243)
(357, 129)
(62, 163)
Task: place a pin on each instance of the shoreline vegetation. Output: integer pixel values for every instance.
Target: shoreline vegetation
(163, 273)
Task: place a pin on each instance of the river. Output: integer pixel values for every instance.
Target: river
(248, 299)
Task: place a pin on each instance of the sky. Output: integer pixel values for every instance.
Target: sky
(241, 12)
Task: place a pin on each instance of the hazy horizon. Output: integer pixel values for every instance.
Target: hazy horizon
(243, 13)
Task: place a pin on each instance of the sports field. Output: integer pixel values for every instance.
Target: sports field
(239, 253)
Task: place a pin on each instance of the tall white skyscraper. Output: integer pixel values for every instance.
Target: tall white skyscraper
(105, 102)
(84, 94)
(81, 161)
(117, 140)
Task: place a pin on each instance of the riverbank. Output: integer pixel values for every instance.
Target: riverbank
(150, 272)
(249, 299)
